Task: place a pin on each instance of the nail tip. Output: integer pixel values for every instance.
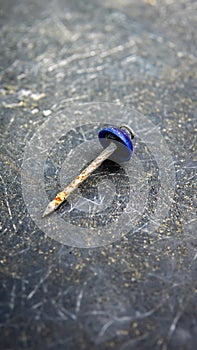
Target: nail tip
(47, 211)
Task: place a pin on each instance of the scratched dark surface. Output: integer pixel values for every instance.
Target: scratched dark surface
(137, 293)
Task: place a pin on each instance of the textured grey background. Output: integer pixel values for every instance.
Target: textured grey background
(139, 293)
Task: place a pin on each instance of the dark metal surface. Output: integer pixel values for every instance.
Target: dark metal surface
(140, 292)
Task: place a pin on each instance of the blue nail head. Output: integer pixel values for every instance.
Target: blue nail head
(122, 139)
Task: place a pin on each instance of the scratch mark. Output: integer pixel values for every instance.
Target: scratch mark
(31, 294)
(37, 305)
(105, 328)
(8, 205)
(62, 312)
(12, 297)
(9, 125)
